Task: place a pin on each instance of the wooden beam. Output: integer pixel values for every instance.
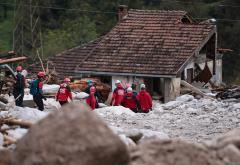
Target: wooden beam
(11, 60)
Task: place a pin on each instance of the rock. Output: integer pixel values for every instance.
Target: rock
(172, 152)
(5, 157)
(185, 98)
(171, 105)
(72, 136)
(232, 137)
(129, 142)
(230, 155)
(135, 135)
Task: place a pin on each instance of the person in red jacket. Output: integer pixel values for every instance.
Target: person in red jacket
(64, 92)
(130, 100)
(118, 94)
(91, 99)
(145, 100)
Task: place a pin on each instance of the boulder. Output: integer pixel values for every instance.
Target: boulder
(173, 152)
(227, 147)
(72, 136)
(5, 157)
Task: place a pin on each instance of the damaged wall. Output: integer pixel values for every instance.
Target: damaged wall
(171, 89)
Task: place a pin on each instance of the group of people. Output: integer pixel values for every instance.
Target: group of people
(127, 97)
(35, 88)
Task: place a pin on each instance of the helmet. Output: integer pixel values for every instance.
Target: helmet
(89, 82)
(142, 86)
(41, 74)
(19, 68)
(129, 90)
(92, 89)
(117, 82)
(66, 80)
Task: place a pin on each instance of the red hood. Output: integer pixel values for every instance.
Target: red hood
(129, 94)
(142, 93)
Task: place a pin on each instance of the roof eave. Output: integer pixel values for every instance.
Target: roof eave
(125, 74)
(214, 31)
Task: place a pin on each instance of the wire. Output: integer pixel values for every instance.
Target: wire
(59, 8)
(110, 12)
(219, 19)
(229, 6)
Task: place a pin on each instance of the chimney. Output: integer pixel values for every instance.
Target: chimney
(122, 12)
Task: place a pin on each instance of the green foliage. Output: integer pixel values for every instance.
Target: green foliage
(73, 33)
(63, 29)
(6, 26)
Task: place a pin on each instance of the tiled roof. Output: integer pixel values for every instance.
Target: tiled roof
(65, 62)
(147, 42)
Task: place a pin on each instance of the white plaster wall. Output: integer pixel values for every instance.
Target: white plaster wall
(172, 89)
(210, 65)
(127, 79)
(219, 71)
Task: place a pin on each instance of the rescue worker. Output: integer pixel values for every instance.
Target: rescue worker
(127, 86)
(98, 95)
(118, 94)
(18, 88)
(130, 100)
(64, 92)
(134, 89)
(145, 100)
(36, 90)
(91, 99)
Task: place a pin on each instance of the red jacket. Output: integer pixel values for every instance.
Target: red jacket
(118, 95)
(91, 101)
(130, 101)
(145, 100)
(64, 93)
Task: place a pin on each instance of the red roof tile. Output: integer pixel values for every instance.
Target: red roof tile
(147, 42)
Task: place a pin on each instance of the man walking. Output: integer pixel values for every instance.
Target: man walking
(36, 90)
(18, 89)
(145, 100)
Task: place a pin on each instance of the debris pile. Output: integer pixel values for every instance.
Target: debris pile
(93, 143)
(81, 85)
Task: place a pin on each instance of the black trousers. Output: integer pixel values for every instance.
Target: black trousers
(63, 102)
(39, 101)
(18, 96)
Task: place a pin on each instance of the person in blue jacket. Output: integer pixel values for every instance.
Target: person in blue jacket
(36, 90)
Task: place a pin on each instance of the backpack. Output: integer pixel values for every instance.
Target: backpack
(20, 83)
(34, 89)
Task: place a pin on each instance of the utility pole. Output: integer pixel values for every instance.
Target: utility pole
(27, 28)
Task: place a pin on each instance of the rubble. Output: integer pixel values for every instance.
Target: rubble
(172, 152)
(90, 142)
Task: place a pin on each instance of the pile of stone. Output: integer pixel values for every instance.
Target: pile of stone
(75, 135)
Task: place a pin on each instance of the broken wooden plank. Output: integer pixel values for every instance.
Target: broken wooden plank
(193, 89)
(23, 124)
(8, 140)
(17, 59)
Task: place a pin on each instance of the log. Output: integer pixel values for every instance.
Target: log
(17, 59)
(3, 99)
(3, 106)
(8, 140)
(23, 124)
(6, 129)
(193, 89)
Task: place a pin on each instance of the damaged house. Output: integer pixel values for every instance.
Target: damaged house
(159, 48)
